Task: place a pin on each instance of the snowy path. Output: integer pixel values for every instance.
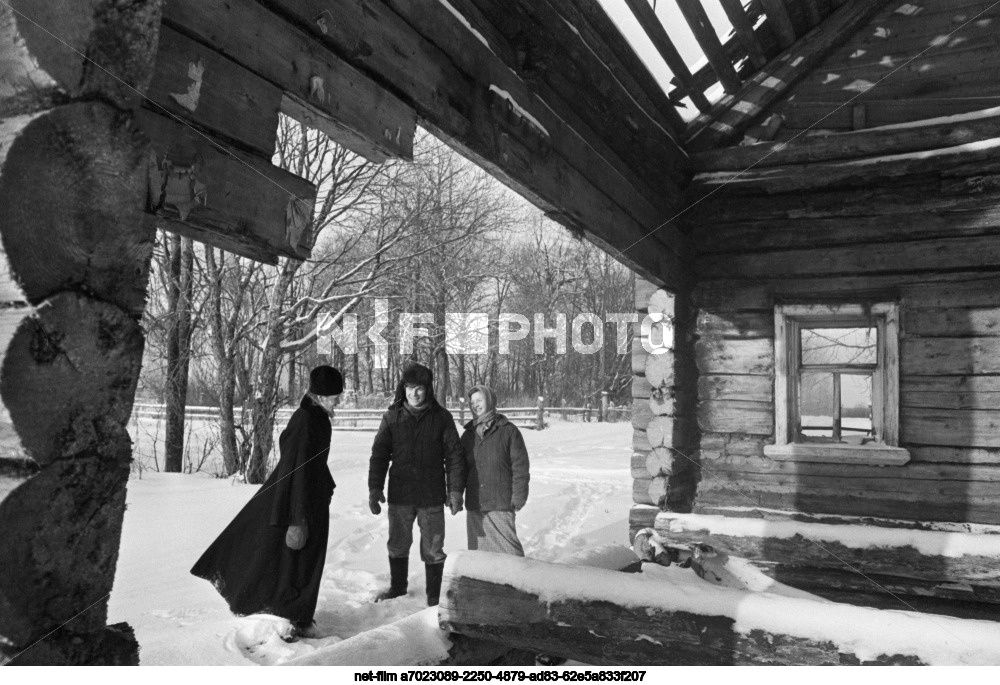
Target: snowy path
(580, 494)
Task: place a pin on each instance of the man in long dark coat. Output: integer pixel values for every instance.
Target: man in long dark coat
(270, 558)
(417, 444)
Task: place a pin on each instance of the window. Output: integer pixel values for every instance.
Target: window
(836, 384)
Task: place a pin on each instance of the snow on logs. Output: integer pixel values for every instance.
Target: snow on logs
(603, 617)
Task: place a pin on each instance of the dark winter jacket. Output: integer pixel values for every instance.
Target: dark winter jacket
(419, 452)
(497, 467)
(249, 563)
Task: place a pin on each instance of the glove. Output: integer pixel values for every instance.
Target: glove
(296, 536)
(374, 497)
(455, 502)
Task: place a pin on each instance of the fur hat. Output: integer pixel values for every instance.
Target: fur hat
(418, 374)
(325, 380)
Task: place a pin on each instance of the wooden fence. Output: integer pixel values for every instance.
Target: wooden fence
(537, 417)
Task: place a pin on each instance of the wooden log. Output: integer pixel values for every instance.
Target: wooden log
(740, 388)
(729, 118)
(887, 551)
(858, 172)
(956, 428)
(640, 442)
(598, 627)
(661, 302)
(226, 198)
(196, 84)
(736, 416)
(759, 324)
(750, 357)
(324, 91)
(660, 431)
(950, 392)
(777, 14)
(650, 23)
(641, 516)
(643, 291)
(641, 389)
(697, 19)
(659, 369)
(661, 402)
(949, 356)
(952, 322)
(953, 455)
(744, 30)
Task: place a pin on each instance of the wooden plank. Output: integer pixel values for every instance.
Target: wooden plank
(567, 75)
(950, 392)
(953, 322)
(836, 231)
(853, 173)
(954, 455)
(196, 84)
(465, 94)
(950, 356)
(777, 14)
(733, 387)
(927, 135)
(801, 114)
(603, 36)
(253, 208)
(753, 357)
(929, 255)
(744, 31)
(956, 428)
(355, 110)
(696, 17)
(650, 23)
(727, 120)
(736, 416)
(812, 12)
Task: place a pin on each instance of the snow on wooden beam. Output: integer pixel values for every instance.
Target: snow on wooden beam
(729, 118)
(604, 617)
(323, 90)
(650, 23)
(929, 134)
(934, 555)
(466, 95)
(958, 161)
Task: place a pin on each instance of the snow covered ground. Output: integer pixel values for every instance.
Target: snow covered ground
(580, 495)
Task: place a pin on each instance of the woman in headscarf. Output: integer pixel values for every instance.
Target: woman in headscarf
(497, 476)
(269, 559)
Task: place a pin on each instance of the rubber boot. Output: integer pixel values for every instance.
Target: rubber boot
(434, 573)
(398, 571)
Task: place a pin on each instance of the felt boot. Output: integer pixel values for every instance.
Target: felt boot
(434, 573)
(398, 570)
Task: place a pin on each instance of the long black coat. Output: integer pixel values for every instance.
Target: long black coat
(497, 467)
(249, 563)
(424, 450)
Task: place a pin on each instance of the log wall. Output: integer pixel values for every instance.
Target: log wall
(928, 241)
(925, 59)
(664, 457)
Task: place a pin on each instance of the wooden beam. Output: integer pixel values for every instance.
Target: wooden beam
(966, 160)
(343, 103)
(743, 28)
(605, 38)
(728, 119)
(777, 14)
(889, 551)
(650, 23)
(812, 12)
(696, 17)
(196, 84)
(930, 134)
(226, 198)
(467, 96)
(602, 626)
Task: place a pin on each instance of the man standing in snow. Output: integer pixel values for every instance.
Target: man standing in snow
(497, 483)
(270, 558)
(419, 438)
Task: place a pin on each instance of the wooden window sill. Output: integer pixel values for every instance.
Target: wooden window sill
(872, 455)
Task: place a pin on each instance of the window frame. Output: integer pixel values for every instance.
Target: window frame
(789, 320)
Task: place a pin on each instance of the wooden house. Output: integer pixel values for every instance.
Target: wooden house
(840, 185)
